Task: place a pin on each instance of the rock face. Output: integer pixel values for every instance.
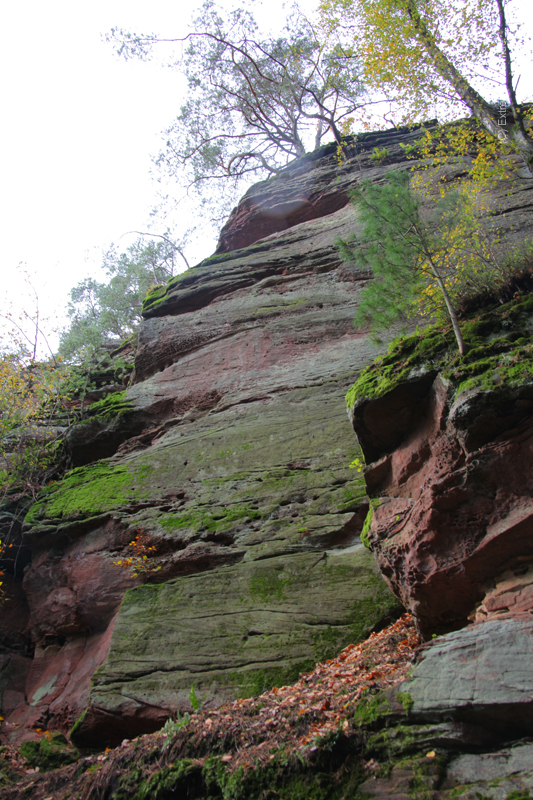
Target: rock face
(480, 675)
(209, 533)
(228, 454)
(453, 519)
(311, 187)
(243, 627)
(449, 447)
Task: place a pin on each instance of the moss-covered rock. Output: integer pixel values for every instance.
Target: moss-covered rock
(236, 631)
(88, 491)
(51, 752)
(499, 353)
(111, 406)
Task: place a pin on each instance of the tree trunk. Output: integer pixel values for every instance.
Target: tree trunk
(318, 137)
(450, 308)
(514, 135)
(449, 305)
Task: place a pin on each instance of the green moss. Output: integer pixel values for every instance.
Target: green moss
(213, 520)
(111, 406)
(284, 777)
(500, 353)
(374, 503)
(397, 744)
(366, 527)
(184, 779)
(77, 725)
(157, 295)
(269, 584)
(51, 752)
(353, 495)
(406, 700)
(426, 774)
(29, 751)
(370, 708)
(91, 490)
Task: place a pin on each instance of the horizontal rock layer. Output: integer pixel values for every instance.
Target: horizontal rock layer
(234, 630)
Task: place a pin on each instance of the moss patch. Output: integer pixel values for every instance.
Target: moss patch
(111, 406)
(371, 708)
(374, 503)
(156, 295)
(88, 491)
(283, 778)
(406, 700)
(500, 353)
(215, 519)
(51, 752)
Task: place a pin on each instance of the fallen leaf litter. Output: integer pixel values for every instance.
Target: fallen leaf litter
(251, 731)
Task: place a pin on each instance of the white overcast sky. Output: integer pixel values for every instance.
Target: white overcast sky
(78, 128)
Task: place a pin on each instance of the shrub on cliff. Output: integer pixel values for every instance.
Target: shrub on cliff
(31, 400)
(32, 391)
(419, 267)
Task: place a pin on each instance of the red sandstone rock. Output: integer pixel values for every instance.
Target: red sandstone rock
(56, 686)
(243, 368)
(456, 510)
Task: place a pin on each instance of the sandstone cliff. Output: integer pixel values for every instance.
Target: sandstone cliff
(228, 454)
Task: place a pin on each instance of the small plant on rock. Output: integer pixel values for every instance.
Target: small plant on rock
(141, 551)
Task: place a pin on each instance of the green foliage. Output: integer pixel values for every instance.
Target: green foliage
(194, 701)
(410, 150)
(420, 268)
(254, 102)
(32, 407)
(438, 58)
(102, 312)
(379, 154)
(173, 726)
(388, 247)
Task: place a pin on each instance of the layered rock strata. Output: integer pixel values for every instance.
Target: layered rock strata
(226, 462)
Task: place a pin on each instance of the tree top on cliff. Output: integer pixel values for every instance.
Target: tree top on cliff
(439, 56)
(254, 101)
